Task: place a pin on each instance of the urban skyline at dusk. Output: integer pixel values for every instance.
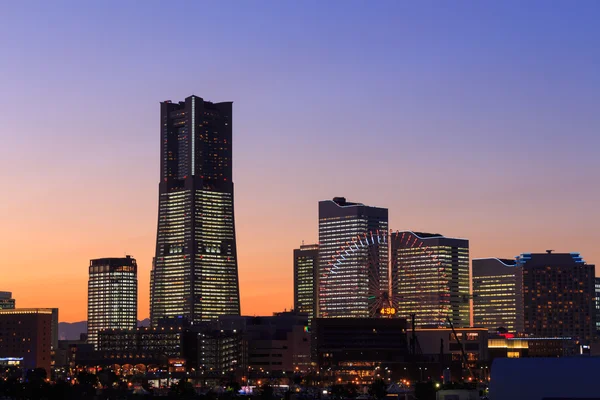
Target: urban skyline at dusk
(474, 127)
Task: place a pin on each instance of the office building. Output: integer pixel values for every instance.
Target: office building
(353, 259)
(306, 266)
(559, 295)
(26, 336)
(112, 295)
(497, 294)
(432, 279)
(6, 301)
(195, 271)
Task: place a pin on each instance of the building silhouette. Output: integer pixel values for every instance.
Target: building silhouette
(6, 301)
(432, 279)
(306, 266)
(29, 335)
(597, 303)
(559, 295)
(353, 258)
(112, 295)
(497, 294)
(194, 272)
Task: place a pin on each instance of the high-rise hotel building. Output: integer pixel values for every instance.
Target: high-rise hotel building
(112, 295)
(559, 295)
(432, 279)
(194, 272)
(497, 294)
(353, 259)
(306, 266)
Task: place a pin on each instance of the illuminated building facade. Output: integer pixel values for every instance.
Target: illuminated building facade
(521, 347)
(112, 295)
(559, 295)
(432, 278)
(6, 301)
(26, 337)
(497, 294)
(346, 289)
(194, 272)
(306, 266)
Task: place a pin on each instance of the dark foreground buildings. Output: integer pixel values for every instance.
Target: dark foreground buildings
(356, 347)
(28, 336)
(228, 348)
(559, 295)
(195, 265)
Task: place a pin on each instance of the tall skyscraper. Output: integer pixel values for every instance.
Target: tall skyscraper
(352, 276)
(195, 265)
(6, 301)
(306, 266)
(497, 294)
(112, 295)
(432, 279)
(559, 295)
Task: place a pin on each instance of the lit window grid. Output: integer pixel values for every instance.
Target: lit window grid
(425, 292)
(345, 292)
(112, 302)
(214, 287)
(305, 286)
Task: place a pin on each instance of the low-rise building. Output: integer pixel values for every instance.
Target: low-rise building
(6, 301)
(358, 349)
(27, 336)
(522, 347)
(274, 344)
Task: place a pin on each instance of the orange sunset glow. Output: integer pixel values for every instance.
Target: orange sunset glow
(454, 131)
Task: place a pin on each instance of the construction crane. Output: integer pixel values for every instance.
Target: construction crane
(462, 350)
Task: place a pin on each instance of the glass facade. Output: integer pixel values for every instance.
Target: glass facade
(112, 295)
(351, 276)
(306, 264)
(194, 272)
(497, 294)
(432, 279)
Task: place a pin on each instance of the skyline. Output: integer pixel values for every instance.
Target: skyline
(488, 137)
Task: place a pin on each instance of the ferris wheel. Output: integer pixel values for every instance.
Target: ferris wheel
(400, 276)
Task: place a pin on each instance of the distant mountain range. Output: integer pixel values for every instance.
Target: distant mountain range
(73, 330)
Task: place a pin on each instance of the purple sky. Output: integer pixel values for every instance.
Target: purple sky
(473, 119)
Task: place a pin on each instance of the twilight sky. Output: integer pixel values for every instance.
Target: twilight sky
(471, 119)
